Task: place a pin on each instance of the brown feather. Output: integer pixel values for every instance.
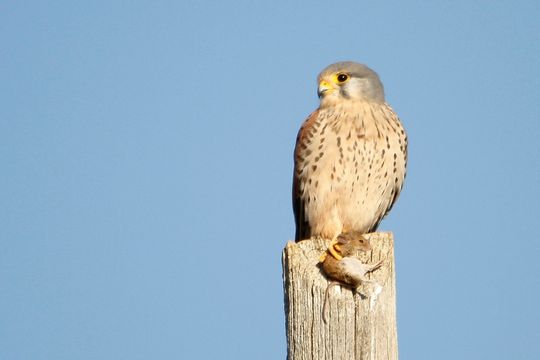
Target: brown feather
(350, 161)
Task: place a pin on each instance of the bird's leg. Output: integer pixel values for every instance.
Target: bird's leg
(334, 249)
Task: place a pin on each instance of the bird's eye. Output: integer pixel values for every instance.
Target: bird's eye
(342, 78)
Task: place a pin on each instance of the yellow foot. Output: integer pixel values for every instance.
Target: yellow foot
(333, 249)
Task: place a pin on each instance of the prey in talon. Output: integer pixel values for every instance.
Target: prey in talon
(341, 263)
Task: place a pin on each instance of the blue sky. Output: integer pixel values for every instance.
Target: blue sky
(147, 148)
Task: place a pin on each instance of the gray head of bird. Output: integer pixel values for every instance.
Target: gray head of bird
(349, 81)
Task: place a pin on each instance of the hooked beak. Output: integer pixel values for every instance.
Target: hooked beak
(324, 86)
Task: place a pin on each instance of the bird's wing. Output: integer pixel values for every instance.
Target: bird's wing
(398, 185)
(303, 230)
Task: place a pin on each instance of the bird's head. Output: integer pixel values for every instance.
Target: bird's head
(349, 81)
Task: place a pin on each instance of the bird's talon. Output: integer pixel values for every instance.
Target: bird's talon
(333, 252)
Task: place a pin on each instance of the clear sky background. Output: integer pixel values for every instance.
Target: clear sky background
(146, 153)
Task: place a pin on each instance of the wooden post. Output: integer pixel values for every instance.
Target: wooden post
(358, 327)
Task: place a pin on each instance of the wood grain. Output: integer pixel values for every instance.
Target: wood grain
(360, 325)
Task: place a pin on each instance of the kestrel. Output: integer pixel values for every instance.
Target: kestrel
(350, 157)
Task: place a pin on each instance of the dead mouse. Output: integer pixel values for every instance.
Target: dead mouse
(341, 264)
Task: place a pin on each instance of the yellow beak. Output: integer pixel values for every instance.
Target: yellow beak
(324, 86)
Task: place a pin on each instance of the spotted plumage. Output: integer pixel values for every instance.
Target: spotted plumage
(350, 156)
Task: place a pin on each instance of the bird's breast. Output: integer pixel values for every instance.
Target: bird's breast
(347, 163)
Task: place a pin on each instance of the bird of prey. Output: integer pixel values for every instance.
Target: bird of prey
(350, 156)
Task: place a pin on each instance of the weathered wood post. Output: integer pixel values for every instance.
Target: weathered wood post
(357, 327)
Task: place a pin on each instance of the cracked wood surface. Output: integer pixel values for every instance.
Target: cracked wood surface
(360, 325)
